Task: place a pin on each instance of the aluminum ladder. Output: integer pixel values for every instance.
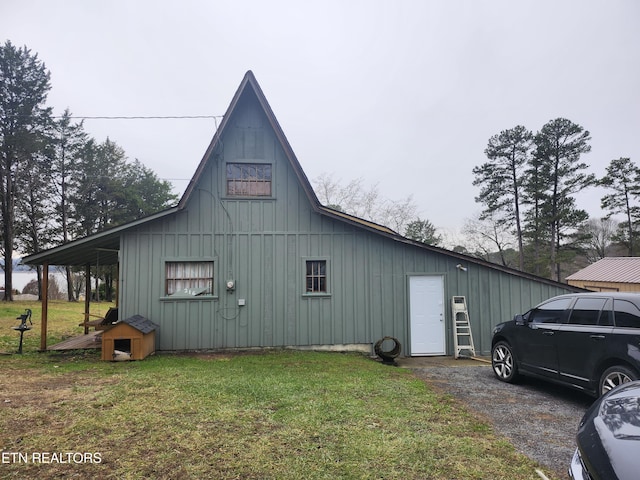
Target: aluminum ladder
(462, 336)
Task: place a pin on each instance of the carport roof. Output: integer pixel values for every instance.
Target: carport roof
(98, 249)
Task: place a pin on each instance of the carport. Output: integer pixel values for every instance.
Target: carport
(100, 249)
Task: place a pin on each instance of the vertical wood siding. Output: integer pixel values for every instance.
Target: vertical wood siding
(262, 245)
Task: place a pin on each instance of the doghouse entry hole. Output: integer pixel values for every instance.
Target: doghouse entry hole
(122, 344)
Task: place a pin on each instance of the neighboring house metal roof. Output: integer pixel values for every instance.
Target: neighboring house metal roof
(610, 269)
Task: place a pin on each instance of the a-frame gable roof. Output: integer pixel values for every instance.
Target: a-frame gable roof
(83, 251)
(249, 83)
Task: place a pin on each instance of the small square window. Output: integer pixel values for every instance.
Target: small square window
(188, 279)
(249, 179)
(316, 276)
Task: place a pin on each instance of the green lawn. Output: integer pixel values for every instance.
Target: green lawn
(279, 414)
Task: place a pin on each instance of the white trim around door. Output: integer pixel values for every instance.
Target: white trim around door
(426, 313)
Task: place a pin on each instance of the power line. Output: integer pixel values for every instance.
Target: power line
(127, 117)
(139, 117)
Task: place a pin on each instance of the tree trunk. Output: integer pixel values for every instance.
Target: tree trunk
(8, 221)
(70, 294)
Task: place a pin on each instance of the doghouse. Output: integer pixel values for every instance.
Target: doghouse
(130, 339)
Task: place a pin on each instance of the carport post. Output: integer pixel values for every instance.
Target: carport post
(87, 294)
(45, 306)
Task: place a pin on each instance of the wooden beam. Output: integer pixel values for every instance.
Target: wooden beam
(87, 297)
(118, 283)
(45, 306)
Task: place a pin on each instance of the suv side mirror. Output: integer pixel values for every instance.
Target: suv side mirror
(519, 319)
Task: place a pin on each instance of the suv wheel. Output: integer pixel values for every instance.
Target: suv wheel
(503, 362)
(614, 376)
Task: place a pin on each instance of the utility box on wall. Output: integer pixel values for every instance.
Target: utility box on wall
(130, 339)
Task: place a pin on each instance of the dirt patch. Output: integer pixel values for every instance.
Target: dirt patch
(46, 395)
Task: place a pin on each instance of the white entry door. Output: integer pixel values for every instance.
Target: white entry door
(426, 312)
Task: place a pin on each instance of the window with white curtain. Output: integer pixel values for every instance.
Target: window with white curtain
(189, 278)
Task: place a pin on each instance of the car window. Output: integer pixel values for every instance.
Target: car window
(626, 314)
(606, 317)
(554, 311)
(586, 311)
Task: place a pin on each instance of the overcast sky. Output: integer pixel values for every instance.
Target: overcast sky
(402, 93)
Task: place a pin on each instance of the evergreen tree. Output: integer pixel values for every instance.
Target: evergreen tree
(24, 85)
(622, 177)
(69, 142)
(93, 187)
(423, 231)
(501, 179)
(535, 232)
(559, 146)
(34, 224)
(139, 192)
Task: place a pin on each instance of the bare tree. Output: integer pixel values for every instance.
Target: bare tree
(367, 203)
(598, 235)
(54, 291)
(490, 238)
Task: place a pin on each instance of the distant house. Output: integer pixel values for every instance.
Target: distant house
(610, 274)
(249, 258)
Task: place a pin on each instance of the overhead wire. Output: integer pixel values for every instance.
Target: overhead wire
(130, 117)
(138, 117)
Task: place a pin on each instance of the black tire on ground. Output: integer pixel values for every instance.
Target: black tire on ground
(614, 376)
(503, 362)
(390, 355)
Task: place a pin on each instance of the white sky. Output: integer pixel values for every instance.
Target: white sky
(403, 93)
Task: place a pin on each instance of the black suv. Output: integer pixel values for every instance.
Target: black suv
(588, 341)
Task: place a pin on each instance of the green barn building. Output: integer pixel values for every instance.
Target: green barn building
(249, 258)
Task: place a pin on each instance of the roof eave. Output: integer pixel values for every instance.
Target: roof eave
(49, 256)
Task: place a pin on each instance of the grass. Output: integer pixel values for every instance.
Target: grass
(273, 415)
(63, 319)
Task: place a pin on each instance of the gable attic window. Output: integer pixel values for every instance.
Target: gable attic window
(316, 276)
(188, 279)
(249, 179)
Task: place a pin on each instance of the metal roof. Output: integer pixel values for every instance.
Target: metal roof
(99, 249)
(611, 269)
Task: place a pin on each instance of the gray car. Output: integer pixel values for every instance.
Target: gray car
(608, 437)
(588, 341)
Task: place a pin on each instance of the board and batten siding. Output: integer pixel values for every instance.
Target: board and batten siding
(367, 299)
(262, 244)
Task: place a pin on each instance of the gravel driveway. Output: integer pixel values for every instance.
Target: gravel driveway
(539, 419)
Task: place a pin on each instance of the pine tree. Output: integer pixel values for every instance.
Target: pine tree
(423, 231)
(559, 147)
(69, 142)
(24, 85)
(501, 180)
(622, 177)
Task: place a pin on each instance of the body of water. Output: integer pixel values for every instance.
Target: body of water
(20, 279)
